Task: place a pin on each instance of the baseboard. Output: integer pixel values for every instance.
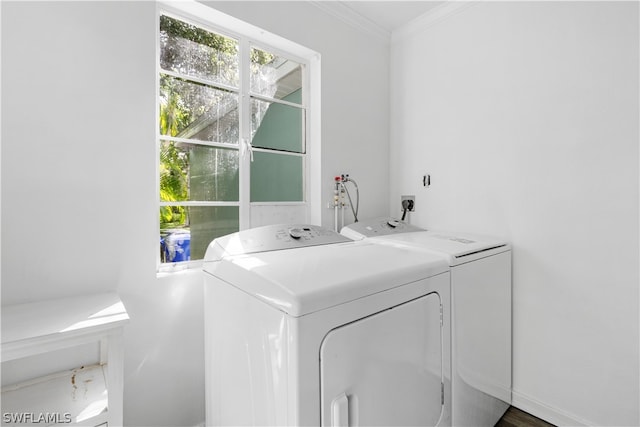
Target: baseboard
(545, 412)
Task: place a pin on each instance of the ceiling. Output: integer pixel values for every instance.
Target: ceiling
(391, 14)
(378, 18)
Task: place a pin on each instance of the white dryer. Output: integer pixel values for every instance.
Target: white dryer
(481, 312)
(306, 327)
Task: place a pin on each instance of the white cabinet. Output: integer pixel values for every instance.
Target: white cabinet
(62, 361)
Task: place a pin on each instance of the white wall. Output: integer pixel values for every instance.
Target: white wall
(526, 116)
(78, 163)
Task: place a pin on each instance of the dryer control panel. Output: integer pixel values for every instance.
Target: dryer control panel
(378, 227)
(272, 238)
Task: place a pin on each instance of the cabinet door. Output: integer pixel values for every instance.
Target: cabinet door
(385, 369)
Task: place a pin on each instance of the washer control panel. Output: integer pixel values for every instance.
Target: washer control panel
(294, 235)
(378, 227)
(273, 238)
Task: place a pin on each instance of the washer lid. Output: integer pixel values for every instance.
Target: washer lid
(456, 248)
(271, 238)
(377, 227)
(307, 279)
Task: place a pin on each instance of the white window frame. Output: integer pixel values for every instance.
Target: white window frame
(251, 36)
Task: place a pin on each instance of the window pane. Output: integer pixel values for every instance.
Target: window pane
(209, 222)
(196, 111)
(197, 173)
(276, 178)
(189, 239)
(277, 126)
(187, 49)
(274, 76)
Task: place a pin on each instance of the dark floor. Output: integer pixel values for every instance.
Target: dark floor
(514, 417)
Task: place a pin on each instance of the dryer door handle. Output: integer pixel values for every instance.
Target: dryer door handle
(340, 411)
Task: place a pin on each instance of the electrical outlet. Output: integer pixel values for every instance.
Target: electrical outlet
(408, 202)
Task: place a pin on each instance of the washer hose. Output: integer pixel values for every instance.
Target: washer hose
(354, 211)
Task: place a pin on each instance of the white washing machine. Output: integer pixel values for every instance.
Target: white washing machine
(481, 312)
(306, 327)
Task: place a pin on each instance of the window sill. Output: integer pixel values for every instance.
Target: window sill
(169, 269)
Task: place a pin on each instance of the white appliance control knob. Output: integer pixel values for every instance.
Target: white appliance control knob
(393, 223)
(296, 233)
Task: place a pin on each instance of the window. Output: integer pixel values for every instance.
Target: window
(233, 132)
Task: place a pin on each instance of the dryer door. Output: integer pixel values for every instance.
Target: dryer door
(385, 369)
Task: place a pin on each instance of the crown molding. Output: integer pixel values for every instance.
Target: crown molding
(340, 10)
(431, 18)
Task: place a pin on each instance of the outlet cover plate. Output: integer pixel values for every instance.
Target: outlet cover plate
(412, 198)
